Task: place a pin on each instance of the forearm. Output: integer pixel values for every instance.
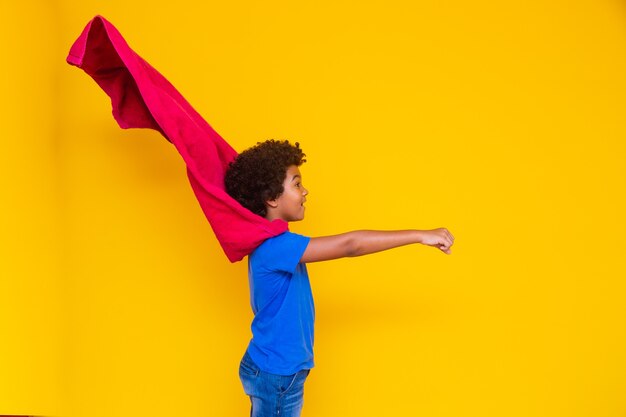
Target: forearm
(364, 242)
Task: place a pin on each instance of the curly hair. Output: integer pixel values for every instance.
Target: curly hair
(257, 174)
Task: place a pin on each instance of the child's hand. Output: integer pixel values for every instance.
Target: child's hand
(440, 238)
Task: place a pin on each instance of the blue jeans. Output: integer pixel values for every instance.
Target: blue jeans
(270, 394)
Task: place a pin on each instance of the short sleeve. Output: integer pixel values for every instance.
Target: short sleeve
(284, 251)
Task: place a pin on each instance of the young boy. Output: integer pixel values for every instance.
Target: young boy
(266, 180)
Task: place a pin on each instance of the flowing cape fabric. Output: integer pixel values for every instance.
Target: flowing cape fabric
(142, 98)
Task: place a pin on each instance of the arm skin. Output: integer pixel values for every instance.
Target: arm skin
(364, 242)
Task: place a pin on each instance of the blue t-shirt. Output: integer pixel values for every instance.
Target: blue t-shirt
(282, 302)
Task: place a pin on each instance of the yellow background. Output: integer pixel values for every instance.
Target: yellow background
(502, 121)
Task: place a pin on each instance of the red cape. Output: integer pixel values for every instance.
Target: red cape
(142, 98)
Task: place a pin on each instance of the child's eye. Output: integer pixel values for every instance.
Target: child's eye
(298, 185)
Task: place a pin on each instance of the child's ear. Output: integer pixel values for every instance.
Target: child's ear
(272, 203)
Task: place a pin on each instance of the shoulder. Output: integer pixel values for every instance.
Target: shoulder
(282, 251)
(285, 242)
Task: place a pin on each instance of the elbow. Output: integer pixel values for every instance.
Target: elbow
(353, 247)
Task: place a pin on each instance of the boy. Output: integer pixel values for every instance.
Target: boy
(266, 180)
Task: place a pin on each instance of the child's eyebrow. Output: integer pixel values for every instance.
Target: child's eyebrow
(295, 176)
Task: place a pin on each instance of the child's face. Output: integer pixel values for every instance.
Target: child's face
(289, 206)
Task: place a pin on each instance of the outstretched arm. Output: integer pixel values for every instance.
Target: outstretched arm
(363, 242)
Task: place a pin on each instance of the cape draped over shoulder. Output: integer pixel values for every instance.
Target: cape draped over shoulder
(142, 98)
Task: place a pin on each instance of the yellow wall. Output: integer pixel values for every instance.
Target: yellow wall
(500, 121)
(33, 283)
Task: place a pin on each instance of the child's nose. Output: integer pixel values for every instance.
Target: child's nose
(304, 191)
